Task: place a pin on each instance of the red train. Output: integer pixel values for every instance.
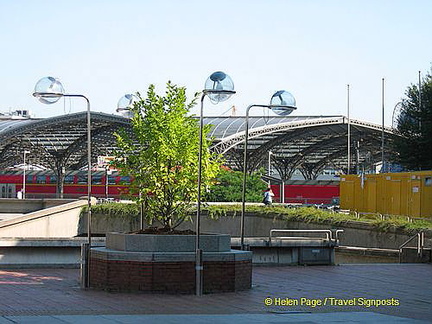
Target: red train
(42, 184)
(308, 192)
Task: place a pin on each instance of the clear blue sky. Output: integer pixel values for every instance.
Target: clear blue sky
(104, 49)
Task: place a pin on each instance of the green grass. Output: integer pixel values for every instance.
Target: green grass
(302, 214)
(116, 210)
(321, 216)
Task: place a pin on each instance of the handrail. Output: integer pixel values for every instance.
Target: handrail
(336, 238)
(420, 236)
(328, 233)
(358, 214)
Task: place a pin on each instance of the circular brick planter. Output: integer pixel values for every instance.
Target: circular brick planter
(166, 264)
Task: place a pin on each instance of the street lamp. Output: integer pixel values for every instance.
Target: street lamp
(270, 153)
(282, 103)
(24, 174)
(124, 108)
(125, 104)
(49, 90)
(218, 87)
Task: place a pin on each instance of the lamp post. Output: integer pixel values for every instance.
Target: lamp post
(270, 153)
(218, 87)
(348, 132)
(108, 172)
(124, 108)
(282, 103)
(24, 174)
(49, 90)
(382, 128)
(125, 104)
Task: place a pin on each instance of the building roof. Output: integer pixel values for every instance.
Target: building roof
(303, 142)
(56, 139)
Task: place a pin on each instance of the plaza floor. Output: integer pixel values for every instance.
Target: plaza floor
(372, 293)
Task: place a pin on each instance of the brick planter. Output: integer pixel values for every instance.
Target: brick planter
(122, 267)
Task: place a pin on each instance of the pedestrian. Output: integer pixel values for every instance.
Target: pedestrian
(268, 197)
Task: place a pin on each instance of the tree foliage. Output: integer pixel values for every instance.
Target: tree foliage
(229, 186)
(161, 154)
(414, 125)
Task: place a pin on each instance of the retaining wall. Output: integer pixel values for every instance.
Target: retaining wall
(58, 219)
(360, 234)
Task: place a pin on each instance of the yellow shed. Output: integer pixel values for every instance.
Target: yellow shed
(404, 193)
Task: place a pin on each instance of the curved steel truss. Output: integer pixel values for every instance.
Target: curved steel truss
(309, 143)
(306, 143)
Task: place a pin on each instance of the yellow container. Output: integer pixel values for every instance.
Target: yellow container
(404, 193)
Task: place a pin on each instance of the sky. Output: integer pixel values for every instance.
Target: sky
(104, 49)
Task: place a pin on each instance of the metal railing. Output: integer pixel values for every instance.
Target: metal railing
(359, 214)
(420, 236)
(331, 236)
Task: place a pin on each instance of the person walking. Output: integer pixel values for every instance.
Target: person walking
(268, 197)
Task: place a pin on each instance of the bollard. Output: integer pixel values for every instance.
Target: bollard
(199, 272)
(84, 271)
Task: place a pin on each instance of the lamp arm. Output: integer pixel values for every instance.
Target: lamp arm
(242, 219)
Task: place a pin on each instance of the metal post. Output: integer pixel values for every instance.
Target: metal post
(349, 133)
(53, 95)
(142, 213)
(422, 239)
(24, 175)
(89, 185)
(84, 265)
(283, 192)
(269, 166)
(242, 218)
(198, 251)
(420, 106)
(419, 90)
(382, 131)
(106, 183)
(358, 157)
(418, 244)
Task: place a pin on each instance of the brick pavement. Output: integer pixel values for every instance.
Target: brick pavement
(56, 292)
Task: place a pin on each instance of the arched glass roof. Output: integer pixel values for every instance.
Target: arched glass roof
(58, 140)
(308, 142)
(305, 142)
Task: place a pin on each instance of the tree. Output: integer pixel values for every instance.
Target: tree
(229, 185)
(161, 155)
(414, 125)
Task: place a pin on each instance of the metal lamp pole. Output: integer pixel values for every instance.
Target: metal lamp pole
(282, 103)
(245, 161)
(24, 175)
(269, 166)
(49, 90)
(348, 132)
(218, 87)
(384, 168)
(124, 108)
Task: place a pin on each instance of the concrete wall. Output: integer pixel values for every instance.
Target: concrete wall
(55, 221)
(24, 206)
(355, 233)
(33, 253)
